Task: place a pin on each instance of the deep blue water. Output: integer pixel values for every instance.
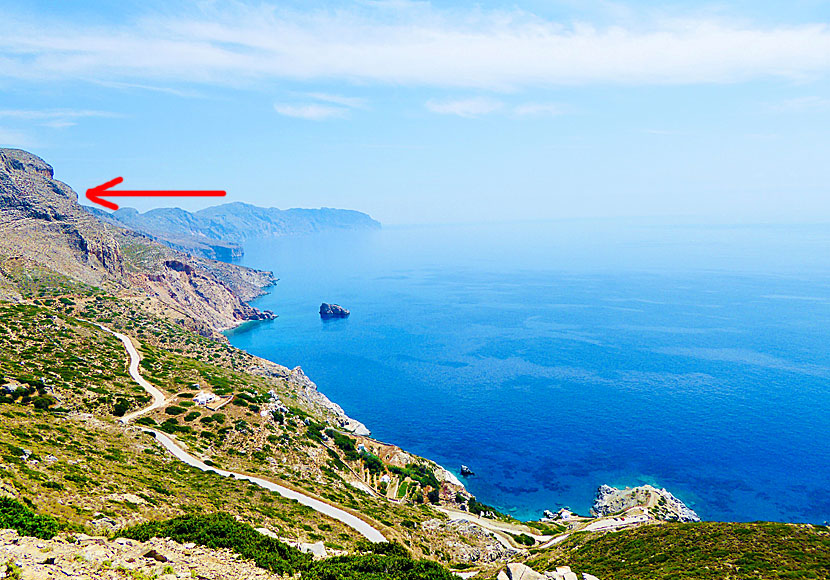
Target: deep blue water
(552, 358)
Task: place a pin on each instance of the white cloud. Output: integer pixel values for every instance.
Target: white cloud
(351, 102)
(539, 110)
(151, 88)
(420, 45)
(334, 107)
(475, 107)
(54, 118)
(312, 112)
(803, 104)
(49, 114)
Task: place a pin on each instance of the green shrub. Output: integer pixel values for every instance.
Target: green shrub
(16, 516)
(43, 403)
(120, 407)
(345, 443)
(373, 463)
(420, 473)
(174, 410)
(221, 530)
(523, 539)
(376, 567)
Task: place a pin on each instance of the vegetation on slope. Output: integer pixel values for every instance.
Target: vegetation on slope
(388, 561)
(83, 462)
(700, 551)
(221, 530)
(18, 517)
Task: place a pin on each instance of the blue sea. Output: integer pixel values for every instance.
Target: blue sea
(554, 357)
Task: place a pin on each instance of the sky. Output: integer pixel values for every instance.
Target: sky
(433, 112)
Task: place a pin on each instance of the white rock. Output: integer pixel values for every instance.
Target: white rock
(317, 549)
(517, 571)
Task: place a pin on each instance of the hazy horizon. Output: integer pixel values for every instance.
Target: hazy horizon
(433, 112)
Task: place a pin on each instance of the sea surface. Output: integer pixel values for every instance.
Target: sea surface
(554, 357)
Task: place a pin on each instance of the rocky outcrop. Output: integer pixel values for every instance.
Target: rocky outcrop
(660, 503)
(517, 571)
(41, 220)
(42, 223)
(81, 556)
(307, 390)
(333, 311)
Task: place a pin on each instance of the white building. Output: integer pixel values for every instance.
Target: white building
(203, 398)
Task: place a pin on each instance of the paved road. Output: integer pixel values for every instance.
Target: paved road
(365, 529)
(158, 396)
(499, 529)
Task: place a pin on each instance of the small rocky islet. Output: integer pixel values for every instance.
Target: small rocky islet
(328, 311)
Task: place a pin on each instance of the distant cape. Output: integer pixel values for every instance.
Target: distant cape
(218, 232)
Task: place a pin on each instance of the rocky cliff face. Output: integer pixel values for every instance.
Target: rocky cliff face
(42, 222)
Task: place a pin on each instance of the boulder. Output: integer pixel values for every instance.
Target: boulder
(517, 571)
(333, 311)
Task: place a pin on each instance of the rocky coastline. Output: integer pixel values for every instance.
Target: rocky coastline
(660, 503)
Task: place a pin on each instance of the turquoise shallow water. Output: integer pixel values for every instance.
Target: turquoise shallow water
(552, 358)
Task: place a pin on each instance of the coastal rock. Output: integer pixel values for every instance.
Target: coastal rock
(466, 471)
(517, 571)
(659, 503)
(308, 390)
(333, 311)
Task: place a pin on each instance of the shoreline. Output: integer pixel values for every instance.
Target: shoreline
(532, 512)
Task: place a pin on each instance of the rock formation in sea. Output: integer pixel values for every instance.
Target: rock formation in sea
(333, 311)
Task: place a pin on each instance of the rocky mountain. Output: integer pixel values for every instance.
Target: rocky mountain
(218, 232)
(43, 225)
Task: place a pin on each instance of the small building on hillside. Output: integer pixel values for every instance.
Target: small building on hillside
(203, 398)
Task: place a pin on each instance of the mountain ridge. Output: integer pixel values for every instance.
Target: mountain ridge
(218, 232)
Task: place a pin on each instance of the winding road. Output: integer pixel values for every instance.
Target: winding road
(369, 532)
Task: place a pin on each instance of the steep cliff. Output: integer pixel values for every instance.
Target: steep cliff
(45, 214)
(41, 222)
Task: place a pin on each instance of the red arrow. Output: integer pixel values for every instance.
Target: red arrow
(94, 193)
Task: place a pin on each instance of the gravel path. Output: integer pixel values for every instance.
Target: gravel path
(365, 529)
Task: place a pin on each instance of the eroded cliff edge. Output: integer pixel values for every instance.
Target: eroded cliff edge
(42, 224)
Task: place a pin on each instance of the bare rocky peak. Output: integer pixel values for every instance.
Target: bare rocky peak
(19, 160)
(42, 222)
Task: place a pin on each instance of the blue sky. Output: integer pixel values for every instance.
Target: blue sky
(430, 112)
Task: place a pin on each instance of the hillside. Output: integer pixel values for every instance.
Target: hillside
(87, 479)
(218, 232)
